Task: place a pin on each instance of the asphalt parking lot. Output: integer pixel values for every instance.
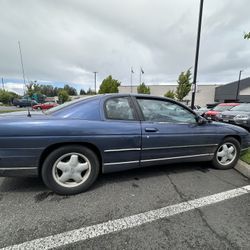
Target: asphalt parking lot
(28, 210)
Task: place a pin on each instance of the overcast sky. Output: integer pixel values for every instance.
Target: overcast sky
(66, 40)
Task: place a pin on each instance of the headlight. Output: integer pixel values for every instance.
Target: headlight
(241, 119)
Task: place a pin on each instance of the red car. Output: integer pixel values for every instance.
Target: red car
(46, 105)
(213, 113)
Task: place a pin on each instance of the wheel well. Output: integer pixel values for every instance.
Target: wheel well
(237, 137)
(53, 147)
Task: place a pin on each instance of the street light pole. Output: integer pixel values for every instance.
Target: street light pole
(238, 86)
(95, 79)
(197, 53)
(2, 83)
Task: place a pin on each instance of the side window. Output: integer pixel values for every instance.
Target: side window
(119, 108)
(165, 111)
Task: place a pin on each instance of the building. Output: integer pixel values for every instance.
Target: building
(228, 92)
(204, 92)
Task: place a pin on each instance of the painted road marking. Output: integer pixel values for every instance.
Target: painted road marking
(112, 226)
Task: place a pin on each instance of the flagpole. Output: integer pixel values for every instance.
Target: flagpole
(131, 80)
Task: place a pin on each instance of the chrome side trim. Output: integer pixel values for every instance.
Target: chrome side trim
(119, 163)
(177, 157)
(121, 150)
(18, 168)
(187, 146)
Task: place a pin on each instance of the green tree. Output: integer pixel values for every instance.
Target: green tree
(109, 85)
(63, 96)
(143, 89)
(5, 96)
(48, 90)
(82, 92)
(90, 92)
(33, 88)
(70, 90)
(170, 94)
(247, 35)
(184, 85)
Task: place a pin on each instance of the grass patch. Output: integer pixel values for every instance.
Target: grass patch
(8, 111)
(246, 157)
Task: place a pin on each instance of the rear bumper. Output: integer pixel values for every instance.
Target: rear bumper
(19, 172)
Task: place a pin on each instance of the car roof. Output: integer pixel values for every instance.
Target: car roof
(229, 104)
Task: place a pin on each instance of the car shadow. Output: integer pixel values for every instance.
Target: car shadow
(149, 172)
(25, 184)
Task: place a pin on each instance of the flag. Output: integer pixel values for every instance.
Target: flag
(132, 71)
(142, 71)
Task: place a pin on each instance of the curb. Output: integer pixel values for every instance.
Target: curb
(243, 168)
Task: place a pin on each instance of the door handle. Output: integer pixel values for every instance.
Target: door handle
(151, 129)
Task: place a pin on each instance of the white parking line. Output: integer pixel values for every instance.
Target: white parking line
(112, 226)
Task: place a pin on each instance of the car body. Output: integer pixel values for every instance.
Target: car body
(239, 115)
(213, 113)
(24, 103)
(108, 133)
(45, 106)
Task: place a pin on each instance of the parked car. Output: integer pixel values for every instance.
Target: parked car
(201, 111)
(239, 115)
(69, 145)
(44, 106)
(212, 105)
(196, 107)
(24, 103)
(213, 113)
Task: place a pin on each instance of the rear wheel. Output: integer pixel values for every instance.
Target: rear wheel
(227, 154)
(70, 169)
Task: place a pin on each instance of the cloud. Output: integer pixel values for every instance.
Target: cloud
(66, 40)
(14, 87)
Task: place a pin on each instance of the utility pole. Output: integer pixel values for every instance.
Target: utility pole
(95, 80)
(197, 53)
(2, 83)
(238, 86)
(21, 59)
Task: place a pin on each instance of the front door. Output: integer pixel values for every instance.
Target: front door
(171, 133)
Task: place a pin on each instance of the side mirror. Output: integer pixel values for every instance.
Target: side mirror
(200, 120)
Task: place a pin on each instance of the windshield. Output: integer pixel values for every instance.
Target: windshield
(222, 108)
(242, 107)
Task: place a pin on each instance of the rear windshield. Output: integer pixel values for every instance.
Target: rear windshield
(64, 105)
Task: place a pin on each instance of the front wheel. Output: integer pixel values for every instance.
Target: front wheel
(227, 154)
(70, 169)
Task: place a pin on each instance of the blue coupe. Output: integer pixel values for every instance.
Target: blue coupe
(69, 145)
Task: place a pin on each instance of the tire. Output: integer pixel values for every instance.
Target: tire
(227, 154)
(70, 169)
